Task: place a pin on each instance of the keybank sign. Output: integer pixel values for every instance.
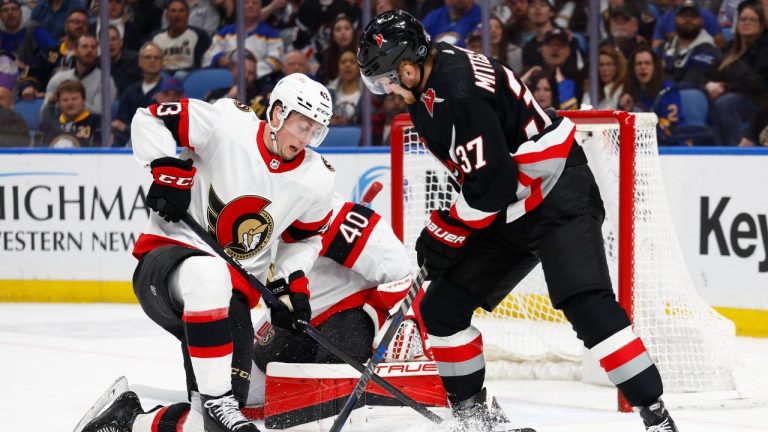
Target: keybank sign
(742, 234)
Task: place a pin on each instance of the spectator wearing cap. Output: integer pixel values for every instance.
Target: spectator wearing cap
(739, 84)
(623, 28)
(76, 126)
(13, 129)
(646, 20)
(556, 50)
(24, 40)
(541, 13)
(60, 57)
(666, 24)
(53, 14)
(453, 22)
(261, 40)
(129, 33)
(28, 89)
(124, 64)
(140, 94)
(169, 90)
(691, 56)
(183, 46)
(86, 71)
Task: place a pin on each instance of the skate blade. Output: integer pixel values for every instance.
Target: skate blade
(118, 387)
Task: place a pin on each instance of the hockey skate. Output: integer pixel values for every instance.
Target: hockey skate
(474, 415)
(222, 414)
(118, 417)
(657, 418)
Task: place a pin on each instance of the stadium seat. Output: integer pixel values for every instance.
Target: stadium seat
(200, 81)
(343, 136)
(684, 116)
(30, 111)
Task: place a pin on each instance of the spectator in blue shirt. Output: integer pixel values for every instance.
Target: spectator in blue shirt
(53, 14)
(665, 26)
(453, 22)
(691, 56)
(23, 40)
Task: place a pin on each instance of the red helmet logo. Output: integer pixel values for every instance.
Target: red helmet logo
(379, 39)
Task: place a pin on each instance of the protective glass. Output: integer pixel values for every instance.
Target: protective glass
(380, 83)
(305, 129)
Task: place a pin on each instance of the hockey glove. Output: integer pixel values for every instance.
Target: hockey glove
(294, 301)
(170, 193)
(441, 243)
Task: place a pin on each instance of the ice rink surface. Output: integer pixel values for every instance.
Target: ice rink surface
(56, 359)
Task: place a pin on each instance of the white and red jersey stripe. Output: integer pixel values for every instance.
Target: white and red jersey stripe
(253, 202)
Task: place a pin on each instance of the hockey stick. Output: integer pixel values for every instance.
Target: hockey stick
(378, 353)
(371, 193)
(308, 328)
(118, 387)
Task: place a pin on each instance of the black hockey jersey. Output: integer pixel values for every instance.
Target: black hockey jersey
(484, 125)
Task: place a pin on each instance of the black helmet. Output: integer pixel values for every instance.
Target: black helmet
(390, 38)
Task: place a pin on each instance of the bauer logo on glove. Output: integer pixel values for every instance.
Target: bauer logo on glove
(440, 244)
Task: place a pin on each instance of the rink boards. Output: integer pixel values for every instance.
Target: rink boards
(69, 221)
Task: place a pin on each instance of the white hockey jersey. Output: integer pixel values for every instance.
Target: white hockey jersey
(360, 252)
(248, 199)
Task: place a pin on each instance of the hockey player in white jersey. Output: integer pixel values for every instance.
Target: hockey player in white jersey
(255, 186)
(361, 275)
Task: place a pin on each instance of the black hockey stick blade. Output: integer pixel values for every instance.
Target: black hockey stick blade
(378, 353)
(311, 331)
(118, 387)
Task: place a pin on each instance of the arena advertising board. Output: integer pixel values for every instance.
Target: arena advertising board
(75, 216)
(719, 206)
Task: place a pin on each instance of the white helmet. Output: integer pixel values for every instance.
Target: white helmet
(297, 92)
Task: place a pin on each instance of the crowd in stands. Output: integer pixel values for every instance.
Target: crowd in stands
(701, 65)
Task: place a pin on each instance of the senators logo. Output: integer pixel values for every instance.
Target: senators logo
(242, 227)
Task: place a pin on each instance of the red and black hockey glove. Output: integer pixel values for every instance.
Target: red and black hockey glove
(441, 243)
(294, 301)
(170, 193)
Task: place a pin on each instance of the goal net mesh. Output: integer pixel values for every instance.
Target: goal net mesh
(525, 337)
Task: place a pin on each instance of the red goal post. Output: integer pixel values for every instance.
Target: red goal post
(688, 340)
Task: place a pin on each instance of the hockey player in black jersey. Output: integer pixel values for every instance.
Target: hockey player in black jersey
(526, 196)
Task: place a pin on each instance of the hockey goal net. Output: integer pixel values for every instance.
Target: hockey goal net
(525, 337)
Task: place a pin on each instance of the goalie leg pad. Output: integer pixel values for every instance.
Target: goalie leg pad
(351, 331)
(605, 329)
(285, 346)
